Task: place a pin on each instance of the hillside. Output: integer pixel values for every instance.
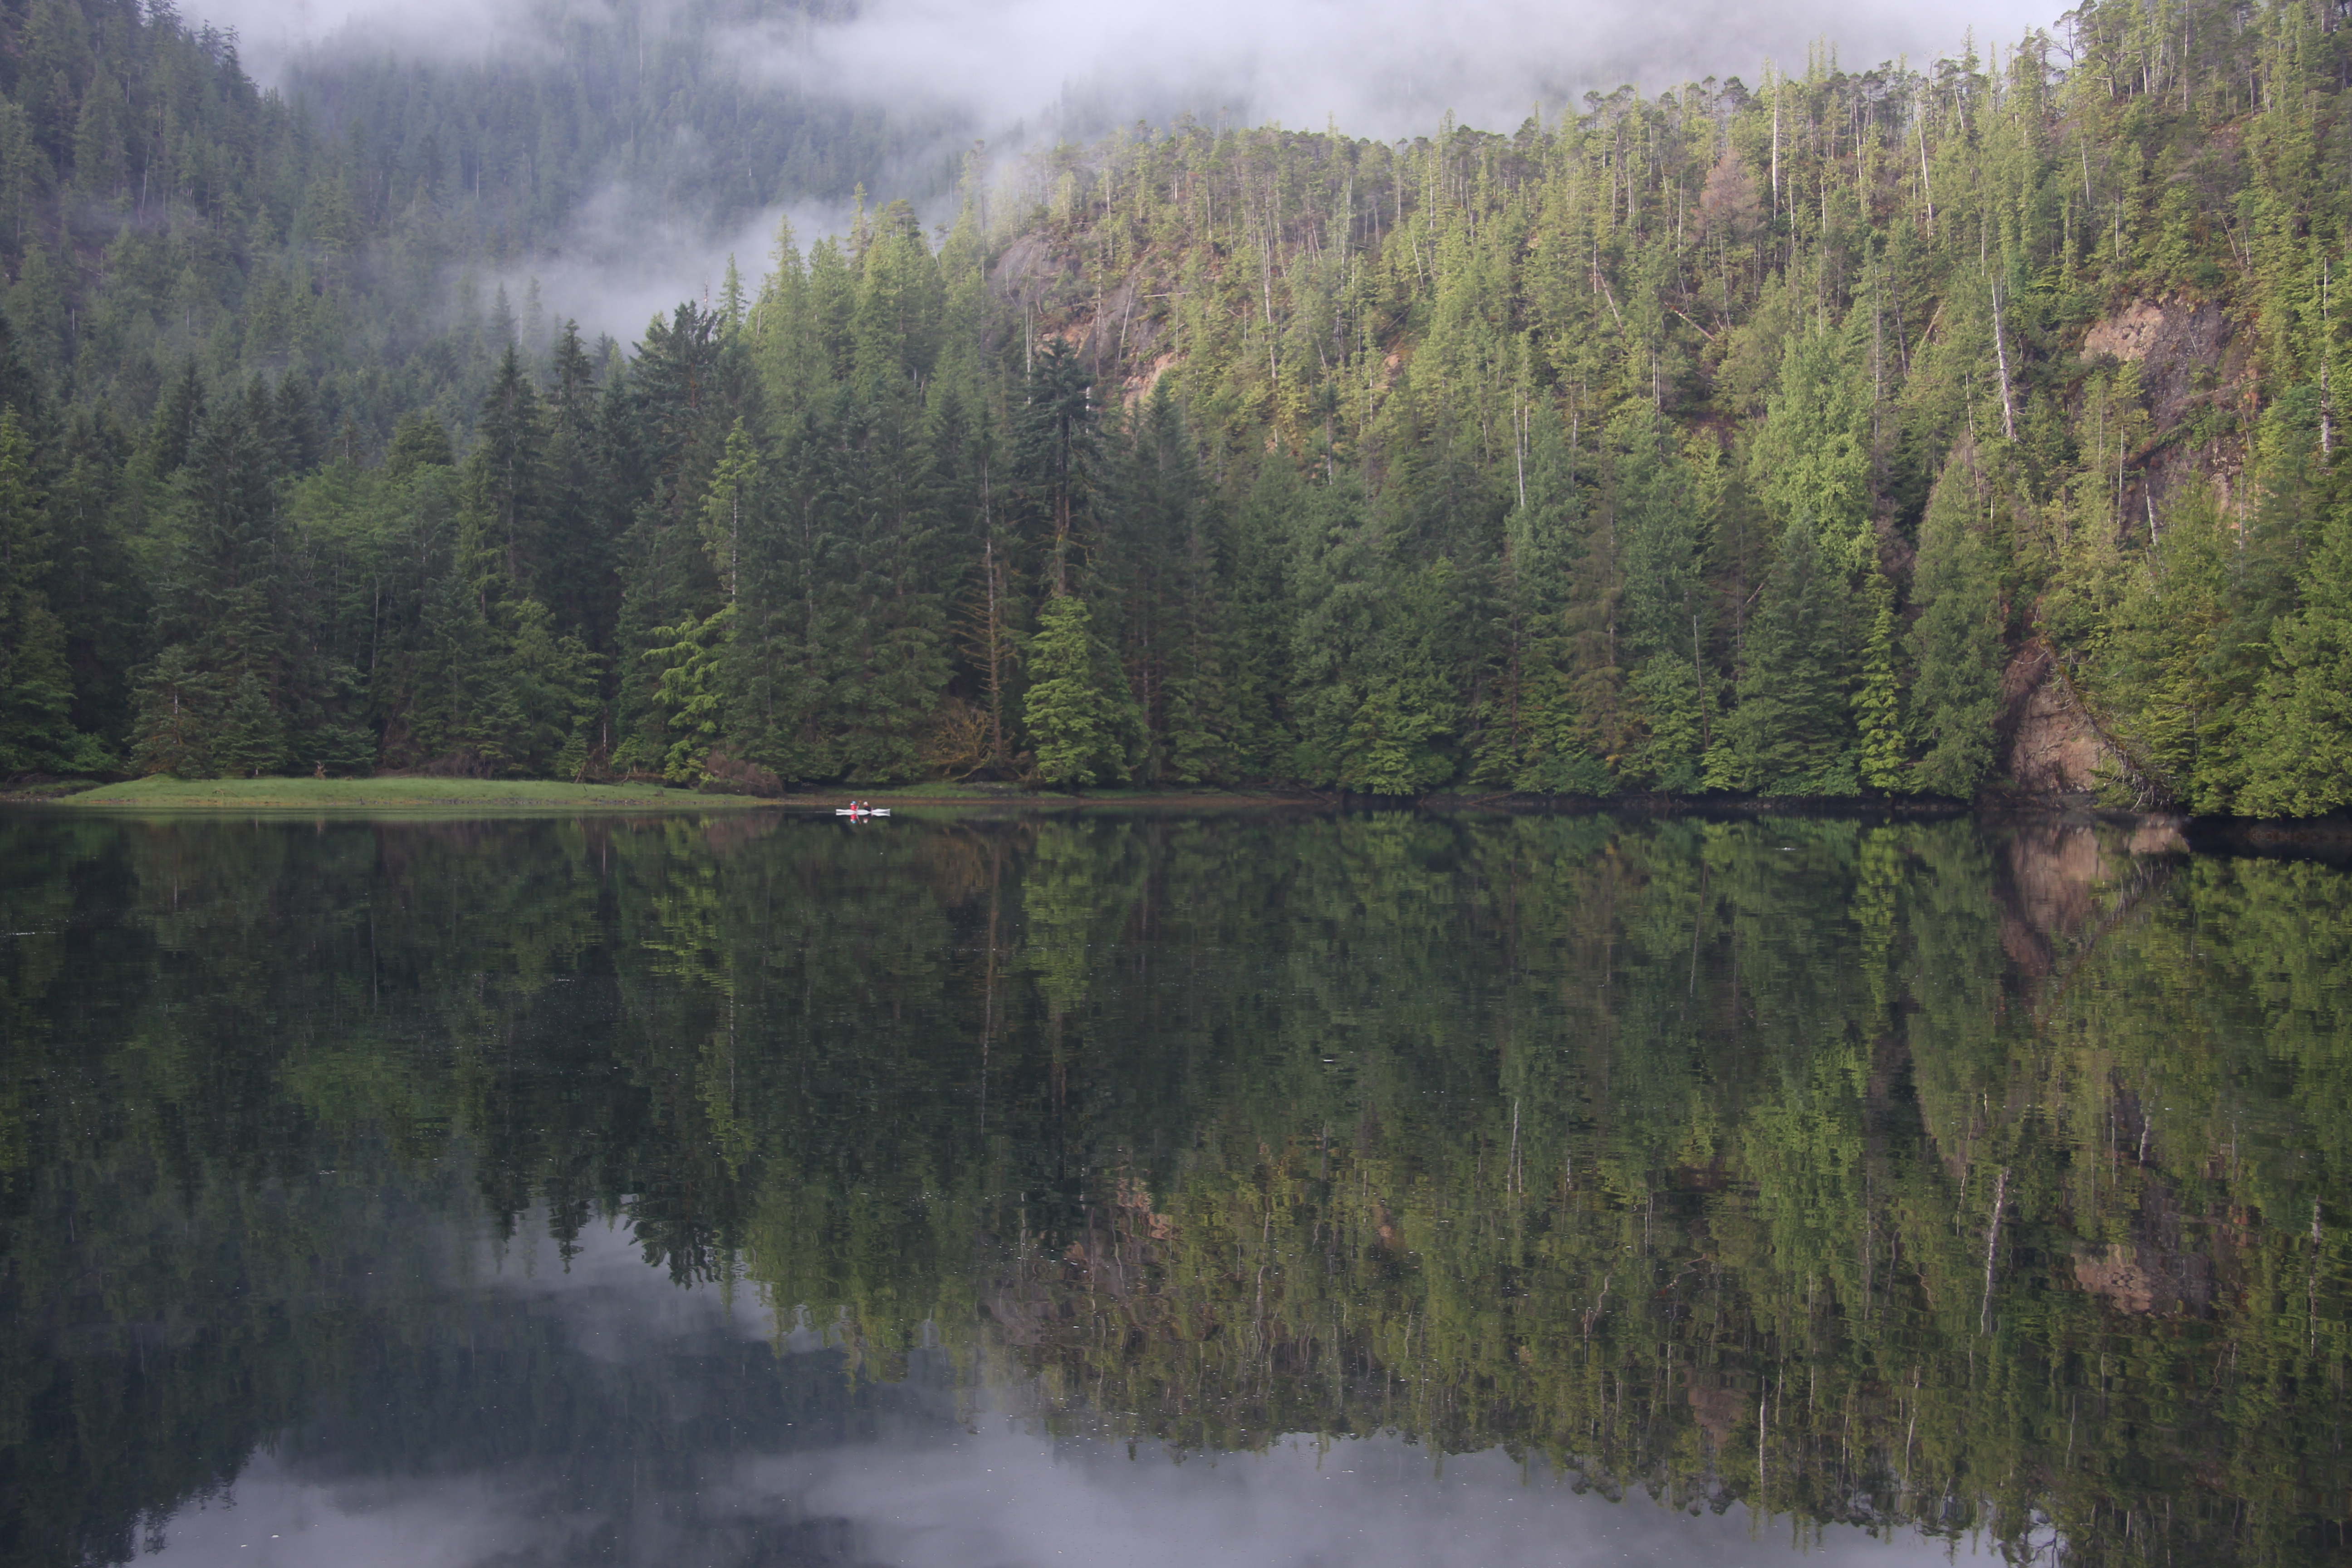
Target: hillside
(1858, 432)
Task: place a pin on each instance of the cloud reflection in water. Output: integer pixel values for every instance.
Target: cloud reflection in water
(929, 1492)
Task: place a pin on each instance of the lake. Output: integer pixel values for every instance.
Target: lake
(1139, 1187)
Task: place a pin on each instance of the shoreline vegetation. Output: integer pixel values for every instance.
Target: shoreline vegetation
(403, 793)
(163, 793)
(2328, 837)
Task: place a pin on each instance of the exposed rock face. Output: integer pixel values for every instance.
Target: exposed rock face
(2049, 746)
(2183, 350)
(2146, 1279)
(2189, 357)
(1027, 267)
(1124, 333)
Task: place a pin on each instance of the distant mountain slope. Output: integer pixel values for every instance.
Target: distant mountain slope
(688, 116)
(156, 205)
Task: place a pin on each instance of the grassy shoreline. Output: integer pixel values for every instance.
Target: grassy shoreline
(163, 794)
(476, 796)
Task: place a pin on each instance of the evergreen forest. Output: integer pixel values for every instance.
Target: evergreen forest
(1943, 430)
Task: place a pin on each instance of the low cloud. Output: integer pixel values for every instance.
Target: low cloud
(1385, 69)
(622, 261)
(1016, 72)
(272, 33)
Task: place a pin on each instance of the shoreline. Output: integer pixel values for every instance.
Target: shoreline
(455, 796)
(475, 796)
(2325, 838)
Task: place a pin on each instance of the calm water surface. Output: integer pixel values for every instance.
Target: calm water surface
(1127, 1189)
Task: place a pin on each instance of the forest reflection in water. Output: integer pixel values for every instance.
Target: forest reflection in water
(544, 1190)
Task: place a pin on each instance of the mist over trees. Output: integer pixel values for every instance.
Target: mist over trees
(1779, 439)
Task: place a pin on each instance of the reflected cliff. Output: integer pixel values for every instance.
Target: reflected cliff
(543, 1191)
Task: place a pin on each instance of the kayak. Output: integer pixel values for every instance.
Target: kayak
(861, 811)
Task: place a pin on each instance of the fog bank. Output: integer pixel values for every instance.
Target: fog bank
(1011, 73)
(1388, 69)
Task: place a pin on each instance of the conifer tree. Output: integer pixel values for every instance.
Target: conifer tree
(894, 611)
(577, 580)
(1793, 732)
(1260, 695)
(297, 426)
(735, 488)
(1812, 455)
(1081, 720)
(986, 632)
(506, 479)
(1955, 642)
(688, 691)
(1658, 519)
(35, 687)
(454, 721)
(674, 407)
(418, 440)
(174, 723)
(177, 419)
(1878, 697)
(224, 608)
(1332, 575)
(1157, 566)
(2299, 745)
(1534, 734)
(1054, 445)
(1397, 737)
(97, 586)
(548, 698)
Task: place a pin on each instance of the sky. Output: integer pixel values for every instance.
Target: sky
(1386, 67)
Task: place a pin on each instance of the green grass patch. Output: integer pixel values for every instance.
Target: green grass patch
(163, 793)
(478, 797)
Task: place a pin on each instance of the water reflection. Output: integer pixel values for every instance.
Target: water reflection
(940, 1479)
(542, 1190)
